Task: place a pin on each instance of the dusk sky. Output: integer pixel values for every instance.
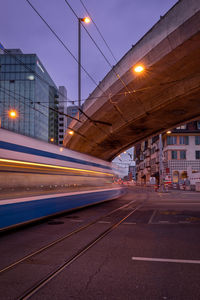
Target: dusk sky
(121, 22)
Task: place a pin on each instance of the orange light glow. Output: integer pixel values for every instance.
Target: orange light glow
(71, 132)
(19, 162)
(138, 69)
(169, 131)
(86, 20)
(12, 114)
(52, 139)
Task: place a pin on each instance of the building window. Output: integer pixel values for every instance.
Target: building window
(182, 154)
(184, 140)
(197, 154)
(175, 177)
(60, 130)
(198, 124)
(61, 136)
(174, 154)
(61, 119)
(197, 140)
(61, 124)
(181, 127)
(171, 140)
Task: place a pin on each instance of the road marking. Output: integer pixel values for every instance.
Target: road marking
(182, 261)
(152, 216)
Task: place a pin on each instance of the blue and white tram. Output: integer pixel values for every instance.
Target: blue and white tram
(29, 168)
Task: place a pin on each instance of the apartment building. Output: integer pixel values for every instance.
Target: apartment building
(179, 158)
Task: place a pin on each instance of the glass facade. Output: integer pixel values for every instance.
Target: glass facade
(26, 87)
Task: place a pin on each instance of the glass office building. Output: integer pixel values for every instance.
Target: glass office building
(26, 87)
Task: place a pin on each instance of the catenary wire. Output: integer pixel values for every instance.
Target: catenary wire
(98, 31)
(36, 102)
(108, 62)
(63, 44)
(68, 51)
(7, 92)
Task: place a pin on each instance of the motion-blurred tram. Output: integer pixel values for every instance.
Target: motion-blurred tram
(38, 180)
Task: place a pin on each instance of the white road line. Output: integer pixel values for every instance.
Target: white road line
(152, 216)
(182, 261)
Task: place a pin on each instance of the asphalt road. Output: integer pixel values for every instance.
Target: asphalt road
(154, 254)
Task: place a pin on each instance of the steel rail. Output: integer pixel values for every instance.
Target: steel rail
(35, 288)
(63, 238)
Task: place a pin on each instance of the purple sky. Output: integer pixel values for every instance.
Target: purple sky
(122, 23)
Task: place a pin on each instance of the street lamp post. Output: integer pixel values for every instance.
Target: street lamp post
(85, 20)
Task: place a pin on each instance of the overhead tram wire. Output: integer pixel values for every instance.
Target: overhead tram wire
(78, 133)
(54, 33)
(7, 92)
(63, 44)
(108, 62)
(91, 98)
(41, 78)
(99, 31)
(37, 102)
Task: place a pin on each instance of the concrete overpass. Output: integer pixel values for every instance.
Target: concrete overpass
(131, 107)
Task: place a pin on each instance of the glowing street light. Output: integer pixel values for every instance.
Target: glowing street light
(86, 20)
(52, 139)
(12, 114)
(71, 132)
(138, 69)
(168, 132)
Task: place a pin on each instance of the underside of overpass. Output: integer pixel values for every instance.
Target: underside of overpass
(127, 108)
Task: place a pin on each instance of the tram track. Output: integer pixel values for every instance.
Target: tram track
(40, 250)
(28, 262)
(35, 288)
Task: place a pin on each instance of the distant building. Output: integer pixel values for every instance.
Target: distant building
(181, 153)
(71, 111)
(132, 172)
(62, 118)
(27, 87)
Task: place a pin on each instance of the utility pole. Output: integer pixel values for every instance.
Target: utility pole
(79, 62)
